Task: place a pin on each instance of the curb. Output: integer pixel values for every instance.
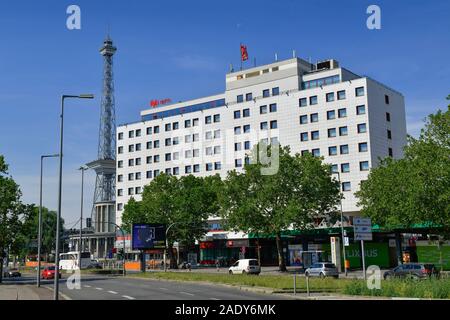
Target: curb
(65, 297)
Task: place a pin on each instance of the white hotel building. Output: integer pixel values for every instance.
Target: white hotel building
(350, 120)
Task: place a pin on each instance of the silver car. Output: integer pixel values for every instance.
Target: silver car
(322, 270)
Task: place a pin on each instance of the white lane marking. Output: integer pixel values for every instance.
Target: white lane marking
(100, 289)
(214, 299)
(189, 294)
(112, 292)
(128, 297)
(164, 289)
(86, 286)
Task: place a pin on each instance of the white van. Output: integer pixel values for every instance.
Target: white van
(245, 266)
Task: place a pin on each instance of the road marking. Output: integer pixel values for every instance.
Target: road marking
(86, 286)
(112, 292)
(214, 299)
(100, 289)
(128, 297)
(189, 294)
(163, 288)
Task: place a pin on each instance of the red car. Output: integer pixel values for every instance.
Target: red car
(49, 273)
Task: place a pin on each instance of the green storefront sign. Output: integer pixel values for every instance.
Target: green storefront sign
(375, 254)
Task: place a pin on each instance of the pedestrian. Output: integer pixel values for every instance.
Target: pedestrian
(218, 265)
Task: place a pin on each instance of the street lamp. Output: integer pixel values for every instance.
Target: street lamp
(342, 225)
(38, 276)
(58, 217)
(80, 245)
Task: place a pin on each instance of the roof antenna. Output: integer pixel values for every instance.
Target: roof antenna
(294, 54)
(276, 56)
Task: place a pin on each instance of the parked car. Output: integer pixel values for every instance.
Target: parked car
(322, 270)
(12, 273)
(412, 271)
(245, 266)
(49, 273)
(94, 265)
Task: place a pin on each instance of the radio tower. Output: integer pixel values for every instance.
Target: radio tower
(105, 166)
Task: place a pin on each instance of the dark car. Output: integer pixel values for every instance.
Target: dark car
(13, 273)
(413, 271)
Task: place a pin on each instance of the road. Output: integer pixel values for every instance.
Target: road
(119, 288)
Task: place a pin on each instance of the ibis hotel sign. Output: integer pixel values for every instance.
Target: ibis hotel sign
(156, 103)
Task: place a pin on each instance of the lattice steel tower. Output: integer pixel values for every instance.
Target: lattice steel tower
(105, 165)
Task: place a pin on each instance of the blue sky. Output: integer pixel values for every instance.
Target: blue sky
(181, 50)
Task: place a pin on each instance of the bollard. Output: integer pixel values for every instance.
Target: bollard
(295, 284)
(307, 286)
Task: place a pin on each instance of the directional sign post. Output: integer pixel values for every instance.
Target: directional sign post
(363, 232)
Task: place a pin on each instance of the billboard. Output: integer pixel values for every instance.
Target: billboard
(148, 236)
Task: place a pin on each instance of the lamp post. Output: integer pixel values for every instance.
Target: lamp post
(58, 217)
(123, 239)
(80, 245)
(342, 225)
(38, 275)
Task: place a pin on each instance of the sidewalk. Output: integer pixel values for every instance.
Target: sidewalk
(24, 292)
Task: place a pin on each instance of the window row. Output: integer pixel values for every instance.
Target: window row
(330, 97)
(266, 93)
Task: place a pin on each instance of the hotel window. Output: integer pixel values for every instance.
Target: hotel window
(237, 114)
(362, 128)
(359, 91)
(216, 134)
(263, 125)
(209, 167)
(364, 166)
(149, 145)
(149, 174)
(331, 115)
(120, 192)
(131, 148)
(343, 131)
(247, 128)
(304, 136)
(360, 110)
(345, 168)
(156, 173)
(156, 129)
(273, 107)
(131, 162)
(334, 168)
(208, 135)
(188, 138)
(388, 117)
(346, 186)
(389, 134)
(305, 152)
(149, 130)
(217, 150)
(196, 168)
(330, 97)
(168, 127)
(195, 122)
(188, 169)
(248, 97)
(274, 140)
(120, 150)
(120, 164)
(187, 123)
(138, 161)
(120, 178)
(238, 146)
(131, 177)
(344, 149)
(149, 159)
(196, 137)
(188, 154)
(138, 147)
(176, 141)
(315, 152)
(247, 145)
(156, 144)
(209, 151)
(217, 165)
(131, 134)
(315, 135)
(156, 158)
(168, 142)
(342, 113)
(168, 156)
(120, 136)
(208, 119)
(175, 126)
(275, 91)
(240, 98)
(332, 151)
(391, 152)
(216, 118)
(312, 100)
(238, 163)
(304, 119)
(237, 130)
(341, 95)
(176, 156)
(314, 117)
(130, 191)
(303, 102)
(264, 141)
(176, 171)
(386, 99)
(138, 132)
(246, 113)
(363, 147)
(263, 110)
(266, 93)
(332, 133)
(138, 176)
(138, 190)
(274, 124)
(169, 171)
(196, 153)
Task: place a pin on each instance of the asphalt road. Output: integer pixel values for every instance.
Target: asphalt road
(119, 288)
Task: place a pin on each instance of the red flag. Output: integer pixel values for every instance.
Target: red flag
(244, 53)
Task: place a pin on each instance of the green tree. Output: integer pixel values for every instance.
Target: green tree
(415, 189)
(182, 203)
(301, 190)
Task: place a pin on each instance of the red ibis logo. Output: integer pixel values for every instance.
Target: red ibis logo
(156, 103)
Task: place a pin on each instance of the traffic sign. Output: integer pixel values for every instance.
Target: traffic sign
(362, 222)
(363, 236)
(362, 228)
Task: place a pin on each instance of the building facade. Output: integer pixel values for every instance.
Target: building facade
(350, 120)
